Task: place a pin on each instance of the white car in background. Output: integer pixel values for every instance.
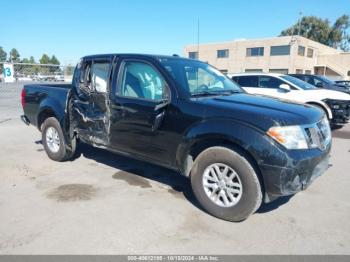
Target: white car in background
(335, 104)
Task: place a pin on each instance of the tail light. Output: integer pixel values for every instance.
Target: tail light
(23, 97)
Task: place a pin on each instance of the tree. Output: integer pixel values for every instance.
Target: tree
(14, 56)
(54, 60)
(25, 60)
(320, 30)
(31, 60)
(3, 55)
(45, 59)
(339, 35)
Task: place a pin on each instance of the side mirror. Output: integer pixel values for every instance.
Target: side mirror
(285, 87)
(319, 85)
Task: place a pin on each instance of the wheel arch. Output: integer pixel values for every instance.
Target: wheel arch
(44, 114)
(50, 107)
(203, 144)
(323, 106)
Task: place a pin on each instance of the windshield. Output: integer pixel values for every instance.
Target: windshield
(325, 79)
(198, 78)
(299, 83)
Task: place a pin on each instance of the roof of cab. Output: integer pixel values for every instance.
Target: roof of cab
(134, 56)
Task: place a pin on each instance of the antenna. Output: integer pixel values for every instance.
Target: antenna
(198, 38)
(299, 23)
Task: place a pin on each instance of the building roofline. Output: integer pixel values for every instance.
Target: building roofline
(260, 39)
(242, 40)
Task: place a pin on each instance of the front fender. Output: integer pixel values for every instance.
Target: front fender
(248, 137)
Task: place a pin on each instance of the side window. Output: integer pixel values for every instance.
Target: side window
(141, 80)
(85, 77)
(269, 82)
(99, 76)
(248, 81)
(235, 79)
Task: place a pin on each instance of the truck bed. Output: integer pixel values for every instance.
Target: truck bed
(65, 86)
(36, 98)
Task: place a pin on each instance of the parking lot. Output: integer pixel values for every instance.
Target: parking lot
(101, 203)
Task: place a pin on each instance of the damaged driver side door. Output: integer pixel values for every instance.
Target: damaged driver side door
(91, 103)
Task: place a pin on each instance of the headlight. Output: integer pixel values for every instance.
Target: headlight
(291, 137)
(325, 130)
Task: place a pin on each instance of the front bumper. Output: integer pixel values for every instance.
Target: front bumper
(302, 168)
(340, 111)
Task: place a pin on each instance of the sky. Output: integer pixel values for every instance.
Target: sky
(71, 29)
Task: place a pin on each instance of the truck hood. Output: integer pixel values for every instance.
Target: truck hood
(321, 94)
(259, 111)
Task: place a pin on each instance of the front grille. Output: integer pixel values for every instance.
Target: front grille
(339, 105)
(318, 135)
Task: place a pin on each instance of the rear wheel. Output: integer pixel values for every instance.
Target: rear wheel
(226, 184)
(54, 142)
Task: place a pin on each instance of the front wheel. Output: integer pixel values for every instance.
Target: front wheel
(54, 142)
(225, 184)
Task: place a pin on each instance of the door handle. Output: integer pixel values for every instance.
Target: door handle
(158, 121)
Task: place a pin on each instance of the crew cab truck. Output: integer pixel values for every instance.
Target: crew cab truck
(237, 149)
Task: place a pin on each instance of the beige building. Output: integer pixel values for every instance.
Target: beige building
(287, 54)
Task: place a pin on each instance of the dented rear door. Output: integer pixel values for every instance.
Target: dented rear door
(91, 103)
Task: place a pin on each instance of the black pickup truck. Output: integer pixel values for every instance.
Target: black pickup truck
(237, 149)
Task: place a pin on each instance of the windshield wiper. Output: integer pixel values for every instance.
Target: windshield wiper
(214, 93)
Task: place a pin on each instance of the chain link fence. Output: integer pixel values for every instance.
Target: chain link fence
(10, 92)
(24, 72)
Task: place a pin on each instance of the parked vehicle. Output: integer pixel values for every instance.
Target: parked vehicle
(345, 83)
(22, 78)
(336, 105)
(237, 149)
(59, 78)
(322, 82)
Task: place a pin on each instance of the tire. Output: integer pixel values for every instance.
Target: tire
(54, 142)
(247, 201)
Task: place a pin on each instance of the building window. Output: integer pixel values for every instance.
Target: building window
(308, 72)
(253, 70)
(255, 51)
(280, 50)
(298, 71)
(310, 52)
(223, 53)
(224, 71)
(193, 55)
(301, 50)
(279, 71)
(348, 73)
